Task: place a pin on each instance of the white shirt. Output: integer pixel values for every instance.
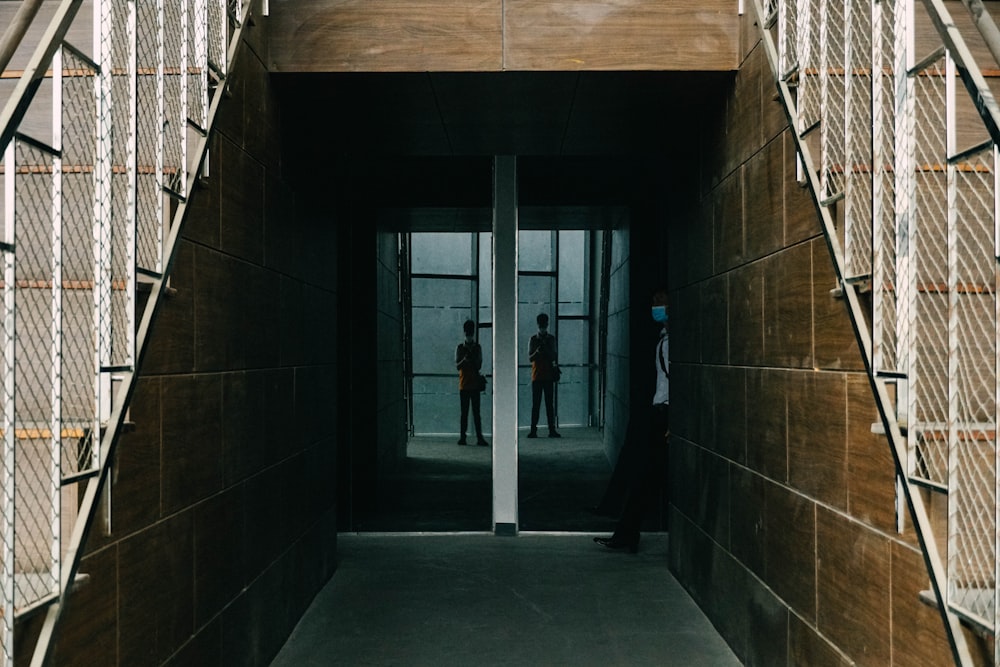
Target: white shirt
(662, 361)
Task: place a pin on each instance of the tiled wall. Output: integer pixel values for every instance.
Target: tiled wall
(223, 498)
(782, 524)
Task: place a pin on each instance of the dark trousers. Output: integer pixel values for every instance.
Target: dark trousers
(648, 476)
(539, 387)
(467, 398)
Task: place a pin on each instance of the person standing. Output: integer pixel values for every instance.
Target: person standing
(645, 450)
(468, 361)
(544, 369)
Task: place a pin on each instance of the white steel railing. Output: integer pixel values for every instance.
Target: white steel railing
(888, 94)
(100, 154)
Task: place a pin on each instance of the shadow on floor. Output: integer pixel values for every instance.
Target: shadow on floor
(444, 487)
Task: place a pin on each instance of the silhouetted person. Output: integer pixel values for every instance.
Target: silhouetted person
(468, 361)
(543, 356)
(642, 461)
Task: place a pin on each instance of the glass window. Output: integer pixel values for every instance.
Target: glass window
(448, 253)
(439, 306)
(436, 334)
(443, 293)
(535, 295)
(436, 407)
(573, 263)
(573, 343)
(571, 397)
(536, 250)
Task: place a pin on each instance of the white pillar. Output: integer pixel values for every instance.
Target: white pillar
(505, 345)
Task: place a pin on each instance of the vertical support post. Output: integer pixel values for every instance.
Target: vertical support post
(505, 345)
(159, 224)
(7, 475)
(181, 182)
(996, 420)
(56, 351)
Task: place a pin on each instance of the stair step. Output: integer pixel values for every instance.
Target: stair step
(977, 628)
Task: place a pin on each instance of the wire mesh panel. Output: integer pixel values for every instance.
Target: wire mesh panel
(217, 35)
(174, 94)
(770, 11)
(114, 236)
(972, 371)
(150, 140)
(79, 377)
(197, 73)
(885, 286)
(36, 464)
(808, 48)
(833, 92)
(928, 266)
(235, 8)
(83, 216)
(934, 244)
(858, 139)
(787, 36)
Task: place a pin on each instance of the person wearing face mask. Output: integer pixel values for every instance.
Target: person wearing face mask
(468, 361)
(544, 371)
(641, 466)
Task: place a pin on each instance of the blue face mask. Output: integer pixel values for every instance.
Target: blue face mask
(660, 313)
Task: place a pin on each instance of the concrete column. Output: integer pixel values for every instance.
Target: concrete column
(505, 345)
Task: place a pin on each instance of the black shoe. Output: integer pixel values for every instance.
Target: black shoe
(553, 434)
(482, 442)
(617, 544)
(462, 441)
(532, 433)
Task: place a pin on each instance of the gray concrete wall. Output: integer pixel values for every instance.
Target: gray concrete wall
(390, 417)
(223, 498)
(616, 399)
(782, 523)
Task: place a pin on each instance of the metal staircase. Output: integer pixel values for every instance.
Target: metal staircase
(897, 133)
(102, 143)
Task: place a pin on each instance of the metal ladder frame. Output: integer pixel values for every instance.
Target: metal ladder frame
(10, 117)
(880, 385)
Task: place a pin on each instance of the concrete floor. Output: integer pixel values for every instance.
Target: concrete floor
(477, 599)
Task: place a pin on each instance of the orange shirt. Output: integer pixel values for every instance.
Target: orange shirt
(468, 360)
(542, 352)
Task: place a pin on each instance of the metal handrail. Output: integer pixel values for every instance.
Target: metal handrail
(89, 503)
(17, 106)
(880, 389)
(14, 34)
(986, 25)
(972, 76)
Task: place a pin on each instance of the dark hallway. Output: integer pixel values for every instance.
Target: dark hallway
(394, 154)
(262, 257)
(595, 151)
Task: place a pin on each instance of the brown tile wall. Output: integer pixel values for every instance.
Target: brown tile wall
(223, 502)
(783, 500)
